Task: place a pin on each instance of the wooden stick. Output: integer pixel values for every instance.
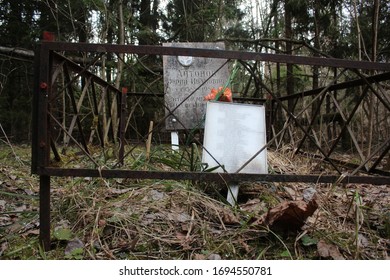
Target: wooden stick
(149, 141)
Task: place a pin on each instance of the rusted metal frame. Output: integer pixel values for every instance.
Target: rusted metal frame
(43, 138)
(294, 118)
(196, 52)
(323, 95)
(346, 123)
(379, 159)
(75, 111)
(218, 177)
(344, 85)
(42, 119)
(83, 71)
(44, 212)
(360, 152)
(35, 153)
(96, 115)
(80, 71)
(381, 99)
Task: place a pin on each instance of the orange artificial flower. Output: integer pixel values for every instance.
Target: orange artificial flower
(226, 96)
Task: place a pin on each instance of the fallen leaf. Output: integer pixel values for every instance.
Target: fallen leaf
(229, 218)
(362, 241)
(179, 217)
(254, 206)
(289, 215)
(156, 195)
(62, 234)
(308, 241)
(285, 254)
(2, 205)
(326, 250)
(309, 194)
(199, 257)
(31, 232)
(184, 240)
(3, 247)
(215, 257)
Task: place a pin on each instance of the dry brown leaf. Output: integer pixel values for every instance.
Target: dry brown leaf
(31, 232)
(254, 206)
(199, 257)
(289, 215)
(229, 218)
(184, 240)
(326, 250)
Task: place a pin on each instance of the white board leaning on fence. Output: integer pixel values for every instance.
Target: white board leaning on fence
(234, 133)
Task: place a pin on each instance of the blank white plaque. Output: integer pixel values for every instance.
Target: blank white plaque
(234, 133)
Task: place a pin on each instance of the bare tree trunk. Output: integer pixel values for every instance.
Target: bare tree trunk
(375, 21)
(359, 58)
(114, 105)
(290, 67)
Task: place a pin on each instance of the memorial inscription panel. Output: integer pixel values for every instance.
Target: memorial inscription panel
(186, 82)
(234, 133)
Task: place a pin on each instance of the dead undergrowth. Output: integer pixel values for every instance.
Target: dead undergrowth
(152, 219)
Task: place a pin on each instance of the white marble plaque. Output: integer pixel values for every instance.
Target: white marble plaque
(234, 133)
(182, 76)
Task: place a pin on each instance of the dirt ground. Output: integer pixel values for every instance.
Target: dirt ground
(154, 219)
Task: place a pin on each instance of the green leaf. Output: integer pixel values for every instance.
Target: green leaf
(286, 254)
(308, 241)
(62, 234)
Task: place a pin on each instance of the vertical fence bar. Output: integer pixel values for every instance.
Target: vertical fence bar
(42, 143)
(122, 124)
(44, 211)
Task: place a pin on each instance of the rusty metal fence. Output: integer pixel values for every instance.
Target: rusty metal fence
(82, 123)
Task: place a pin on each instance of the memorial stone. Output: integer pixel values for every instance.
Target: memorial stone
(186, 84)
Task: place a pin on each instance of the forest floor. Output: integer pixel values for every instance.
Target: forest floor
(155, 219)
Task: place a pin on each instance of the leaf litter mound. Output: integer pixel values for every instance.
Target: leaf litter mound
(129, 219)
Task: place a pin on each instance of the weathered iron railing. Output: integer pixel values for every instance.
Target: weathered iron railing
(70, 98)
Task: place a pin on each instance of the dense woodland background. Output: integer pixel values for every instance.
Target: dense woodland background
(357, 30)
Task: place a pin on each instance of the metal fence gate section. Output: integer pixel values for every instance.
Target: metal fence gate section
(83, 126)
